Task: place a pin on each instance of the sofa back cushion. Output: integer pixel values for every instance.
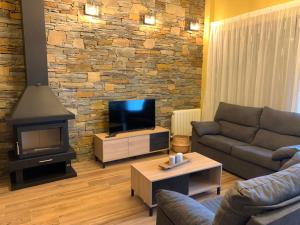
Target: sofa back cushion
(274, 141)
(255, 196)
(287, 123)
(242, 115)
(238, 132)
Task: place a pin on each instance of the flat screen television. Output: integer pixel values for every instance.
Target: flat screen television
(131, 115)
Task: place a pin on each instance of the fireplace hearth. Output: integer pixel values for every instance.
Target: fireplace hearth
(40, 122)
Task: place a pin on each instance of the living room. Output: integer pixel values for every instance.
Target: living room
(163, 112)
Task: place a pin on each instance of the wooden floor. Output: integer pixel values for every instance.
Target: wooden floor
(96, 196)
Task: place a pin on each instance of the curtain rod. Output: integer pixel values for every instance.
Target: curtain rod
(259, 12)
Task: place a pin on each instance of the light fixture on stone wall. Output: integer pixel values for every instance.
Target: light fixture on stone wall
(194, 25)
(149, 19)
(91, 9)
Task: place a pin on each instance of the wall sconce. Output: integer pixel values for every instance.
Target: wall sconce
(194, 26)
(149, 19)
(91, 10)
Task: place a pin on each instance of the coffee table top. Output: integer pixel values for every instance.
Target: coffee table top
(151, 170)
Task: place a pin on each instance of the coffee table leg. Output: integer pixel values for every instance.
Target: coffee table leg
(132, 192)
(218, 190)
(150, 211)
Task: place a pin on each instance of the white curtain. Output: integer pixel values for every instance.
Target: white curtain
(254, 60)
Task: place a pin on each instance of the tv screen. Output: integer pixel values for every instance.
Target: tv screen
(131, 115)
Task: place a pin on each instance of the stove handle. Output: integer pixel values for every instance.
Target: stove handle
(47, 160)
(18, 148)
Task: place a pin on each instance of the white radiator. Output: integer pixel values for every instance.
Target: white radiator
(181, 121)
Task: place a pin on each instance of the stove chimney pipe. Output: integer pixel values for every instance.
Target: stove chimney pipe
(34, 36)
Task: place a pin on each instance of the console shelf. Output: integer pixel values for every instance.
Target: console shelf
(130, 144)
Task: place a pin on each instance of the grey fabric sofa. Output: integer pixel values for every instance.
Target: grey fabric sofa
(268, 200)
(244, 139)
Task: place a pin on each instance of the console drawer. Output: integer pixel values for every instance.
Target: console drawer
(139, 145)
(115, 149)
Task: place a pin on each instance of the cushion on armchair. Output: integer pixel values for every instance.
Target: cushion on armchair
(254, 196)
(285, 152)
(183, 210)
(204, 128)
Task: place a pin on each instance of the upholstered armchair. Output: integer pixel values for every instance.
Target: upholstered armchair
(268, 200)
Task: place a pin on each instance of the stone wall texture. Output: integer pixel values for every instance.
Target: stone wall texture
(111, 57)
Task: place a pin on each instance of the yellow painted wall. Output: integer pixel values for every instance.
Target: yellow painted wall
(222, 9)
(259, 4)
(228, 8)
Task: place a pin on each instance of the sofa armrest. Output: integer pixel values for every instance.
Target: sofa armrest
(286, 152)
(204, 128)
(179, 209)
(289, 215)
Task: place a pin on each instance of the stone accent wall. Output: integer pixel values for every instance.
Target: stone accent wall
(114, 56)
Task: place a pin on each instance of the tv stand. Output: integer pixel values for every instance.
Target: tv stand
(111, 135)
(130, 144)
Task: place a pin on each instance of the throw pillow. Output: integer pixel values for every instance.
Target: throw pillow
(285, 152)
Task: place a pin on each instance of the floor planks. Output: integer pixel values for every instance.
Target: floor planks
(97, 196)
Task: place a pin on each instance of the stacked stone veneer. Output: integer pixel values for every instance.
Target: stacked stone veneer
(114, 56)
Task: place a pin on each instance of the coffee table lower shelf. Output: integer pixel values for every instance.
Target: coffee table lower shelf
(186, 180)
(192, 192)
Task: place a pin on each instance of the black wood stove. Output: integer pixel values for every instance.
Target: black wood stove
(40, 122)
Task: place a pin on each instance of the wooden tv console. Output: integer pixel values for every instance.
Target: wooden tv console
(130, 144)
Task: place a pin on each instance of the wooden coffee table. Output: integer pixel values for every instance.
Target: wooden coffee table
(200, 175)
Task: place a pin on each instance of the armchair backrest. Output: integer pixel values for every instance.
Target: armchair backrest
(260, 196)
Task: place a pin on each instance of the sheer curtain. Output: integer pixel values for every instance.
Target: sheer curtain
(254, 60)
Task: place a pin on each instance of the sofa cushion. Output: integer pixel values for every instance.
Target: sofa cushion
(238, 132)
(286, 152)
(280, 122)
(271, 140)
(256, 155)
(203, 128)
(246, 198)
(183, 210)
(243, 115)
(220, 142)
